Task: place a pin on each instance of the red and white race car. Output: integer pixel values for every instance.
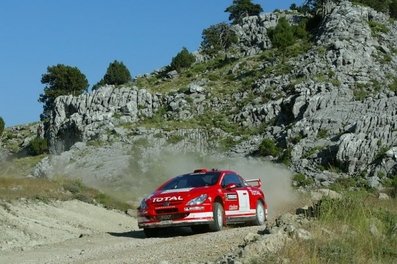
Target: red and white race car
(204, 200)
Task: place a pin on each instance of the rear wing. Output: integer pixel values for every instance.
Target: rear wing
(258, 182)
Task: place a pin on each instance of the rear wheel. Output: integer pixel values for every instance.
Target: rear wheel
(151, 232)
(217, 225)
(260, 216)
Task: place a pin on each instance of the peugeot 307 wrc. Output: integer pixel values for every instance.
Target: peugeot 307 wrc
(205, 200)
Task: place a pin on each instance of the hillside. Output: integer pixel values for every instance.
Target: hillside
(325, 107)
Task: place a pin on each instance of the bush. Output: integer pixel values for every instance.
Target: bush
(268, 148)
(2, 125)
(173, 139)
(282, 35)
(38, 146)
(184, 59)
(216, 38)
(61, 80)
(378, 5)
(393, 86)
(393, 9)
(241, 8)
(377, 28)
(116, 74)
(394, 186)
(302, 180)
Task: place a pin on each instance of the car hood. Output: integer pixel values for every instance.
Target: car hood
(176, 196)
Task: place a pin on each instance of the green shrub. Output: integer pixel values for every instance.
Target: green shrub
(393, 9)
(381, 153)
(385, 6)
(302, 180)
(268, 148)
(184, 59)
(241, 8)
(2, 124)
(360, 92)
(286, 156)
(393, 86)
(322, 133)
(174, 139)
(312, 151)
(116, 74)
(377, 28)
(216, 38)
(394, 186)
(61, 80)
(282, 36)
(38, 146)
(227, 143)
(73, 186)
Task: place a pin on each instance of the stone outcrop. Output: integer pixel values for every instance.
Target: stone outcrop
(76, 119)
(253, 31)
(324, 111)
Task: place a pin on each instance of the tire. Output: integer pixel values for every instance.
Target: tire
(260, 216)
(217, 225)
(151, 232)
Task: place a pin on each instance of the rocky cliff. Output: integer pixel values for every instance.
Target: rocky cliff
(333, 108)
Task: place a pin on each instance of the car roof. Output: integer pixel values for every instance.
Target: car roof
(205, 170)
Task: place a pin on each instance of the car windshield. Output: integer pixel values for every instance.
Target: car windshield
(192, 180)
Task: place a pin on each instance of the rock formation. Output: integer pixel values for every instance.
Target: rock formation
(333, 109)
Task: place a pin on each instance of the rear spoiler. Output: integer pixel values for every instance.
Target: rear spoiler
(258, 182)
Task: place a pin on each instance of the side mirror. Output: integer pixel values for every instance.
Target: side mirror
(230, 186)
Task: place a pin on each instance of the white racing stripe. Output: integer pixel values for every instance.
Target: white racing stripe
(177, 190)
(200, 215)
(251, 211)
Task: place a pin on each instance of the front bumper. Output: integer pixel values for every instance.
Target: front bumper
(191, 219)
(181, 216)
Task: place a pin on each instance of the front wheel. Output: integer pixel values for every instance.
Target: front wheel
(217, 225)
(260, 216)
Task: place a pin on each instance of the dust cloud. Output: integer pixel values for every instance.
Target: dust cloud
(139, 182)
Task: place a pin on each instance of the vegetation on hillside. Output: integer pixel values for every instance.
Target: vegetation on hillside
(359, 228)
(116, 74)
(61, 80)
(2, 125)
(184, 59)
(38, 146)
(216, 38)
(62, 189)
(321, 7)
(242, 8)
(385, 6)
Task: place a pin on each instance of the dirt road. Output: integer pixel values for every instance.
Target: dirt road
(77, 232)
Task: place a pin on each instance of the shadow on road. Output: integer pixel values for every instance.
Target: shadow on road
(164, 232)
(131, 234)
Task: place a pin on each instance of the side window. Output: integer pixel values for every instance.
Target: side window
(231, 178)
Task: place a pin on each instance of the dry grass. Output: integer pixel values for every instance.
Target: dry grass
(360, 228)
(12, 188)
(19, 166)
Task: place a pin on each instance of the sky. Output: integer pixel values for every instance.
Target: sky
(90, 34)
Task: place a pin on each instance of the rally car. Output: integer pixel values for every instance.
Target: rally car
(204, 200)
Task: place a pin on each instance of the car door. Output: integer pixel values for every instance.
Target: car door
(236, 198)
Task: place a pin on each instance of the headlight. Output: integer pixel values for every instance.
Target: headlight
(198, 200)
